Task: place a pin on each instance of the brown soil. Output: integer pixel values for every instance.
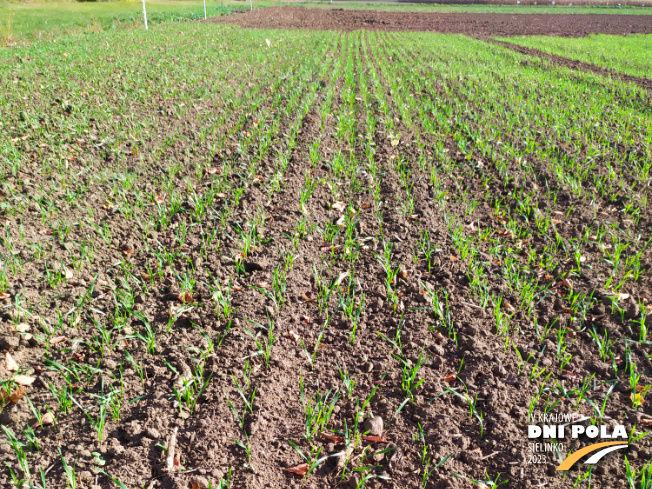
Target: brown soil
(471, 24)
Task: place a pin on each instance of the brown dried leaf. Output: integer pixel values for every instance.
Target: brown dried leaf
(10, 363)
(17, 395)
(185, 297)
(647, 422)
(342, 276)
(639, 398)
(159, 200)
(450, 378)
(339, 206)
(306, 297)
(375, 439)
(333, 438)
(47, 419)
(292, 335)
(24, 379)
(57, 339)
(301, 469)
(4, 296)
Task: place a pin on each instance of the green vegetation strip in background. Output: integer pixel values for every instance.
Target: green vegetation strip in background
(32, 21)
(631, 54)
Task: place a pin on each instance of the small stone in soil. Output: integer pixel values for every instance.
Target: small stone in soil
(374, 426)
(199, 482)
(152, 433)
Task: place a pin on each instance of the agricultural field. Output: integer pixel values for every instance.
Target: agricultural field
(266, 258)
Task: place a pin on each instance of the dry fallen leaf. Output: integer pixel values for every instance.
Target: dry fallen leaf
(47, 419)
(57, 339)
(375, 439)
(639, 398)
(17, 395)
(301, 469)
(10, 363)
(262, 285)
(185, 297)
(292, 335)
(307, 298)
(4, 296)
(158, 199)
(454, 258)
(342, 276)
(341, 221)
(24, 379)
(339, 206)
(333, 438)
(450, 378)
(647, 422)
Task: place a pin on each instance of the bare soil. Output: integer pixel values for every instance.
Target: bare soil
(470, 24)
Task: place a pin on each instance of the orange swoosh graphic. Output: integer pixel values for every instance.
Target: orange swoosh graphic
(570, 460)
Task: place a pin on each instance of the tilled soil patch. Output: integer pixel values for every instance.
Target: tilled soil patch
(471, 24)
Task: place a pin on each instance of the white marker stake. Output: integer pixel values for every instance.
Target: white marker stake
(251, 3)
(205, 10)
(145, 14)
